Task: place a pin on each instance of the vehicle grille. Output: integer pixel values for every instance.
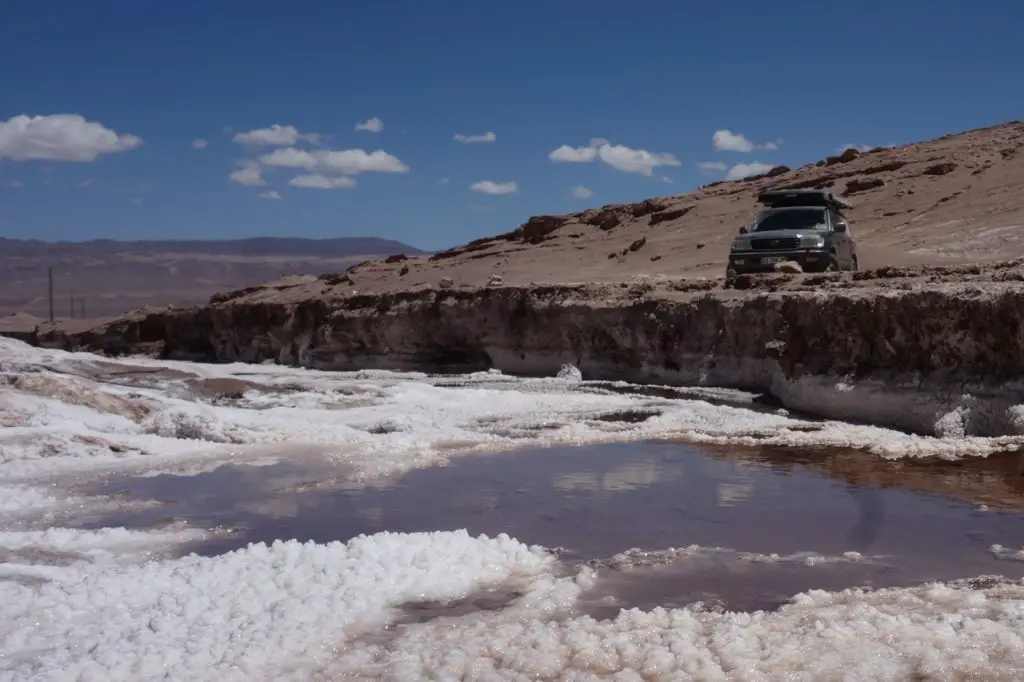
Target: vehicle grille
(778, 243)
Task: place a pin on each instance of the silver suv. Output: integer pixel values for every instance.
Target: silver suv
(802, 225)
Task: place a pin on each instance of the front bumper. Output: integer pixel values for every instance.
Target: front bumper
(811, 260)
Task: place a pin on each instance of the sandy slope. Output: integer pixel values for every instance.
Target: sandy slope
(952, 200)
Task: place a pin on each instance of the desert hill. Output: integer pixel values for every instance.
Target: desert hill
(952, 200)
(115, 276)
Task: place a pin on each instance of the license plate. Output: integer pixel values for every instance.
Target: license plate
(768, 260)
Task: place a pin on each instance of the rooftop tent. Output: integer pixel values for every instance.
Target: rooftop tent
(781, 198)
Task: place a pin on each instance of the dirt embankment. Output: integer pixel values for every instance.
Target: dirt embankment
(931, 350)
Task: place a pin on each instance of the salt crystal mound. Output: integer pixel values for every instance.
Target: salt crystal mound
(1006, 553)
(936, 632)
(295, 611)
(260, 613)
(76, 412)
(637, 558)
(105, 545)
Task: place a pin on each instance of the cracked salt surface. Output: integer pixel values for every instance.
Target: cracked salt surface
(90, 603)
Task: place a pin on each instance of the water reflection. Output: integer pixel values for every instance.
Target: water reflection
(628, 476)
(995, 481)
(730, 494)
(595, 501)
(373, 516)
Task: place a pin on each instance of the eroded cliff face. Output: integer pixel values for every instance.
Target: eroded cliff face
(936, 352)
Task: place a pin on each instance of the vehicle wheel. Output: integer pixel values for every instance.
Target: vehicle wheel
(854, 265)
(730, 277)
(833, 265)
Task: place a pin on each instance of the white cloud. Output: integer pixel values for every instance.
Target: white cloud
(711, 166)
(581, 192)
(86, 182)
(275, 136)
(16, 184)
(137, 200)
(270, 194)
(371, 125)
(620, 157)
(567, 154)
(199, 143)
(471, 139)
(60, 137)
(318, 181)
(630, 160)
(728, 141)
(491, 187)
(745, 170)
(250, 175)
(444, 181)
(859, 147)
(346, 162)
(290, 157)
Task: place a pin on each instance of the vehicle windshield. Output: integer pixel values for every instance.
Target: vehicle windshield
(792, 219)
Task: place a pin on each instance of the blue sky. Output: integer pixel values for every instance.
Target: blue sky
(634, 91)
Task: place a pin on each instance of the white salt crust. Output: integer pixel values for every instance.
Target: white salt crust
(296, 611)
(108, 605)
(63, 412)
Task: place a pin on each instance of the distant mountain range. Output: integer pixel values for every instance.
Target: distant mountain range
(254, 246)
(114, 276)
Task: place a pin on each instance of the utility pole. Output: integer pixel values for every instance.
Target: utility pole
(50, 275)
(81, 304)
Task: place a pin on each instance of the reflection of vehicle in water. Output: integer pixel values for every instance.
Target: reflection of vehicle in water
(802, 225)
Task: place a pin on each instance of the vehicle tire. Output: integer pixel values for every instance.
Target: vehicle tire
(854, 265)
(832, 265)
(730, 277)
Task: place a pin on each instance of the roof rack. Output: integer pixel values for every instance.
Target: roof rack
(779, 198)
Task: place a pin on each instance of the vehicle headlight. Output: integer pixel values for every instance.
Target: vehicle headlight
(812, 242)
(741, 245)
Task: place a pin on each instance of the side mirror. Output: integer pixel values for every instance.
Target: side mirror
(743, 230)
(840, 227)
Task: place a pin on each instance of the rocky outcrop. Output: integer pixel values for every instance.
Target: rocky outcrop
(536, 229)
(930, 350)
(939, 168)
(665, 216)
(863, 185)
(847, 156)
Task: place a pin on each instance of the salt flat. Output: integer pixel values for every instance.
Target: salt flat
(116, 603)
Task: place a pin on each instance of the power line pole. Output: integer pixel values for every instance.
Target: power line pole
(50, 275)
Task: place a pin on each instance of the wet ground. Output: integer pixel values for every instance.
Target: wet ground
(911, 522)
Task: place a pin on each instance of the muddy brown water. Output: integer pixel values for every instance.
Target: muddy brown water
(913, 522)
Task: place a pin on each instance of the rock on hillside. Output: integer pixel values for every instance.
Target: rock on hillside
(952, 200)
